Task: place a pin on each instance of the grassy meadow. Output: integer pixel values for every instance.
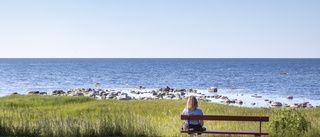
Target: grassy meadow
(37, 115)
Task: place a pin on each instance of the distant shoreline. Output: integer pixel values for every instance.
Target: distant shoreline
(141, 58)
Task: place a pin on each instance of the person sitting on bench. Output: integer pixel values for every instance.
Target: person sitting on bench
(192, 109)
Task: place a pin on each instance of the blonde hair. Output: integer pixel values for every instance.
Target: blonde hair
(192, 103)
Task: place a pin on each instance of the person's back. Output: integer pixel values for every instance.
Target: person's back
(192, 109)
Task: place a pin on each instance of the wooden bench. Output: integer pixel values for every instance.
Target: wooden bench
(227, 118)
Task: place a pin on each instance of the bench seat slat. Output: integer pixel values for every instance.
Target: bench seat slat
(225, 118)
(228, 132)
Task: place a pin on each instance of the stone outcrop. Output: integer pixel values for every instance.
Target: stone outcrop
(80, 94)
(239, 102)
(14, 93)
(141, 87)
(58, 92)
(162, 93)
(276, 104)
(289, 97)
(213, 89)
(33, 92)
(124, 97)
(43, 93)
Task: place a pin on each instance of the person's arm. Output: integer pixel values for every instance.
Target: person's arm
(201, 122)
(184, 111)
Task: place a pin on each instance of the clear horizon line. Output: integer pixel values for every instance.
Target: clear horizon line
(158, 58)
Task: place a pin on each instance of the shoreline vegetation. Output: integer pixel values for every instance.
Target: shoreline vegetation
(36, 115)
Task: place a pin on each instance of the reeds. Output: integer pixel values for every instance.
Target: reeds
(37, 115)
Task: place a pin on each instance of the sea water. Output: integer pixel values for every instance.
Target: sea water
(271, 78)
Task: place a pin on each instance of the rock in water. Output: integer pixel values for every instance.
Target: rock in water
(213, 89)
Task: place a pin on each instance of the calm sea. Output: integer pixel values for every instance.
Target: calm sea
(251, 76)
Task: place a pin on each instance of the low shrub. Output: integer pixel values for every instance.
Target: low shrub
(288, 123)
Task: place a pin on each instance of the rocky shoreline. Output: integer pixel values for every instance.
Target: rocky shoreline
(141, 93)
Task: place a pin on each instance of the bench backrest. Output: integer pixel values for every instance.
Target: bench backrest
(225, 118)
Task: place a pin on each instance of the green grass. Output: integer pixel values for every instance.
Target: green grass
(36, 115)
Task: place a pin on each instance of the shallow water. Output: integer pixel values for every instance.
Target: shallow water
(247, 99)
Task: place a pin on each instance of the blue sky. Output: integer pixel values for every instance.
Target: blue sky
(159, 29)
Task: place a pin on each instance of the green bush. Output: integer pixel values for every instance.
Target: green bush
(289, 122)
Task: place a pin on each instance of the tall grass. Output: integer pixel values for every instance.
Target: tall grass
(70, 116)
(35, 115)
